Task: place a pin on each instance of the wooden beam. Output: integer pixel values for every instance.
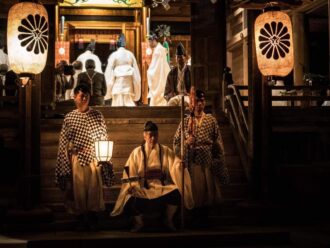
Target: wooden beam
(171, 19)
(96, 12)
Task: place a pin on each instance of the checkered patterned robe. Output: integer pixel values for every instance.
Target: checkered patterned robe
(207, 151)
(79, 132)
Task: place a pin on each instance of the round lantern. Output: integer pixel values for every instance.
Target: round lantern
(274, 45)
(27, 37)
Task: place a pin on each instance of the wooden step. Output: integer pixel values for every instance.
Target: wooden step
(121, 112)
(125, 127)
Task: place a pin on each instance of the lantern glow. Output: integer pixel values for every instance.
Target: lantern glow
(103, 150)
(274, 43)
(27, 37)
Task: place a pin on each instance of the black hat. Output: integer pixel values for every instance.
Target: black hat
(150, 126)
(121, 42)
(180, 50)
(152, 36)
(200, 94)
(91, 46)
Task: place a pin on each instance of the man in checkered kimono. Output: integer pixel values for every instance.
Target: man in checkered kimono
(204, 153)
(77, 171)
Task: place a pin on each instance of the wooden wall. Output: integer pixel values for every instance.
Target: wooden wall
(208, 45)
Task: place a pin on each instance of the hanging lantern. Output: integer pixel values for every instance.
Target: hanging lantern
(103, 150)
(62, 51)
(274, 45)
(27, 37)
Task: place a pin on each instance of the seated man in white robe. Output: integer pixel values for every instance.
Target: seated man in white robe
(123, 76)
(152, 173)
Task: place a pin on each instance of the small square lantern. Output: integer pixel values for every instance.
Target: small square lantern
(103, 150)
(27, 37)
(274, 44)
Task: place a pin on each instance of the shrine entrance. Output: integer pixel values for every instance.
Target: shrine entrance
(78, 23)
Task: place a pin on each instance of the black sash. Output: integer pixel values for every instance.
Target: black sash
(145, 166)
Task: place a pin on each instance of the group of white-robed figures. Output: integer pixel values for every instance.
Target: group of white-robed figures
(123, 77)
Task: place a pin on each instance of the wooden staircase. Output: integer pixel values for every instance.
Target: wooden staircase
(125, 127)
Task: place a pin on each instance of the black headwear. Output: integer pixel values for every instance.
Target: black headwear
(91, 46)
(180, 50)
(200, 94)
(152, 36)
(150, 126)
(121, 42)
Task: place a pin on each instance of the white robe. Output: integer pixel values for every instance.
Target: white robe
(89, 55)
(123, 78)
(171, 165)
(157, 76)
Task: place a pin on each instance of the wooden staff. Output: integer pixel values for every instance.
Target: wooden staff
(191, 132)
(182, 160)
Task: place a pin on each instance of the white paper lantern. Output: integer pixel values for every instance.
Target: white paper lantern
(274, 44)
(103, 150)
(27, 37)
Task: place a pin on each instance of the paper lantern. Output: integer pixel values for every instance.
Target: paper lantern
(62, 51)
(103, 150)
(274, 45)
(27, 37)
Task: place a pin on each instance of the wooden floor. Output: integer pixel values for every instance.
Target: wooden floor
(225, 236)
(234, 236)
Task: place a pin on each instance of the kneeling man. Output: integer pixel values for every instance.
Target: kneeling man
(152, 173)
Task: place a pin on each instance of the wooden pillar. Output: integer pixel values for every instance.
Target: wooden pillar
(29, 105)
(254, 111)
(48, 76)
(265, 148)
(144, 65)
(300, 48)
(329, 36)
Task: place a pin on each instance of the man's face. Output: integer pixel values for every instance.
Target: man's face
(151, 138)
(152, 43)
(81, 99)
(180, 59)
(200, 104)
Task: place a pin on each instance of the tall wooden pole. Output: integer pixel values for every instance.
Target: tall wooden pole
(329, 36)
(182, 160)
(144, 66)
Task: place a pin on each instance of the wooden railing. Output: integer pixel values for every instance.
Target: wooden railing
(280, 99)
(237, 111)
(237, 115)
